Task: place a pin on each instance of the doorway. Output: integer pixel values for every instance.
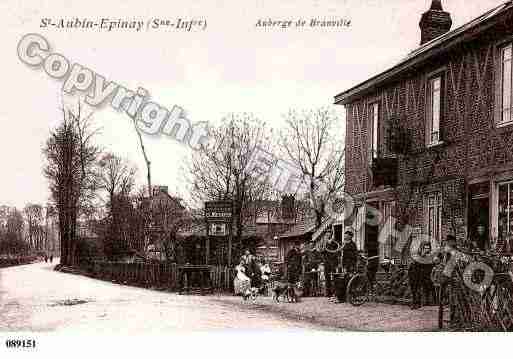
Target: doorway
(371, 240)
(372, 248)
(478, 214)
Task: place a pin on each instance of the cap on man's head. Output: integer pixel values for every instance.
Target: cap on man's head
(450, 238)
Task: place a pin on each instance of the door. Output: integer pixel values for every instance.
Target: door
(371, 240)
(478, 216)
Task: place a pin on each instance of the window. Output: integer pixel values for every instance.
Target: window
(386, 247)
(374, 116)
(506, 116)
(218, 229)
(434, 215)
(337, 232)
(505, 217)
(434, 110)
(359, 228)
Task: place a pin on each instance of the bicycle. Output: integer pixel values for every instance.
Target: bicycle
(358, 290)
(490, 309)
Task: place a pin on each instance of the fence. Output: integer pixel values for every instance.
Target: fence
(156, 275)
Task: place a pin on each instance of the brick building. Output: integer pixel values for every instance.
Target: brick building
(429, 141)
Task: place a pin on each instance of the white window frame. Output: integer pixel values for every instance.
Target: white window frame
(386, 248)
(359, 227)
(510, 200)
(434, 114)
(222, 232)
(505, 116)
(433, 215)
(374, 109)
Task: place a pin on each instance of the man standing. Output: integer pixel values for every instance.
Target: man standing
(349, 252)
(446, 287)
(332, 255)
(349, 258)
(479, 240)
(419, 275)
(293, 262)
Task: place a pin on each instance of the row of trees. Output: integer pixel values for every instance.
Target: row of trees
(29, 230)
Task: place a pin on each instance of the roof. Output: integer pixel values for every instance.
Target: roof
(430, 49)
(200, 230)
(299, 229)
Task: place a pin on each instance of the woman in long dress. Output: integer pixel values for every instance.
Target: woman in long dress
(241, 283)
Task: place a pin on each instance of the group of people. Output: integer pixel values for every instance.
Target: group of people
(419, 271)
(251, 273)
(324, 263)
(48, 258)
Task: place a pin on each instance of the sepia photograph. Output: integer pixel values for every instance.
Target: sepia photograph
(269, 176)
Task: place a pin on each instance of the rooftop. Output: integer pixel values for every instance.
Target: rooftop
(434, 47)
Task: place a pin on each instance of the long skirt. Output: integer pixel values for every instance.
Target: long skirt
(241, 285)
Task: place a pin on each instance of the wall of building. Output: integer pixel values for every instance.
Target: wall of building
(473, 146)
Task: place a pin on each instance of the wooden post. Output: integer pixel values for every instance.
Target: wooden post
(207, 250)
(230, 240)
(440, 307)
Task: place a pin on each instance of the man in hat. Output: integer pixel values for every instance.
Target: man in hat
(349, 258)
(450, 246)
(445, 289)
(331, 261)
(419, 275)
(479, 240)
(349, 252)
(293, 262)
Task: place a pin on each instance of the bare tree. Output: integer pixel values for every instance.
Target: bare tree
(169, 216)
(144, 153)
(310, 143)
(117, 179)
(50, 214)
(34, 216)
(219, 169)
(71, 158)
(11, 234)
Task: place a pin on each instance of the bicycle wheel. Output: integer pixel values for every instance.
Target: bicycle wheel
(497, 304)
(358, 290)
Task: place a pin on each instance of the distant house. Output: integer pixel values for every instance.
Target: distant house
(168, 214)
(132, 256)
(264, 222)
(89, 243)
(297, 235)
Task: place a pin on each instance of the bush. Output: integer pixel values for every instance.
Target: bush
(87, 251)
(16, 261)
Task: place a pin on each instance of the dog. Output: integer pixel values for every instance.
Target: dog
(250, 293)
(289, 292)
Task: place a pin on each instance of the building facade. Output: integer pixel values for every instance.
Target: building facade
(429, 141)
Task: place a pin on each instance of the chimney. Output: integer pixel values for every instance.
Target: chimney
(160, 189)
(434, 22)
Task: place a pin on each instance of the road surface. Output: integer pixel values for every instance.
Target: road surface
(36, 298)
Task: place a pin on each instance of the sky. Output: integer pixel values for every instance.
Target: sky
(231, 66)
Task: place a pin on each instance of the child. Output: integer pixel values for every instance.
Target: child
(321, 269)
(265, 269)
